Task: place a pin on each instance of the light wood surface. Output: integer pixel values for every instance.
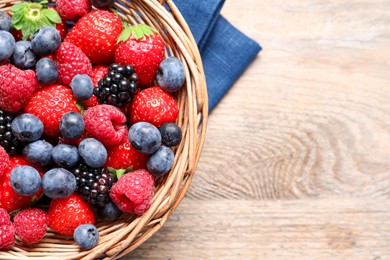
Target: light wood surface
(296, 163)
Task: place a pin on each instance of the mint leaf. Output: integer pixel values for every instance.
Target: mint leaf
(51, 15)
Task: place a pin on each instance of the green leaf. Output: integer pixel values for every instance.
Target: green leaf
(16, 18)
(52, 15)
(17, 7)
(125, 34)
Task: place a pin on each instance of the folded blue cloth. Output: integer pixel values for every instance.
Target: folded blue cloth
(226, 52)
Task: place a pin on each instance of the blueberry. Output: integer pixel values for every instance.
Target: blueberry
(171, 134)
(27, 127)
(82, 87)
(25, 180)
(170, 74)
(161, 161)
(38, 152)
(46, 71)
(109, 212)
(102, 4)
(45, 41)
(23, 56)
(5, 22)
(144, 137)
(72, 125)
(65, 155)
(58, 183)
(7, 46)
(93, 152)
(86, 236)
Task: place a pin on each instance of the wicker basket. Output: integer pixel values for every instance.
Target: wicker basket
(129, 231)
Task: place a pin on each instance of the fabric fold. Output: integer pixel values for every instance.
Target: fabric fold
(226, 52)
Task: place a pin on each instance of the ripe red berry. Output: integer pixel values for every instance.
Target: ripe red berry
(7, 236)
(50, 104)
(106, 123)
(96, 35)
(4, 160)
(31, 224)
(66, 214)
(134, 191)
(155, 106)
(143, 48)
(16, 87)
(70, 61)
(72, 10)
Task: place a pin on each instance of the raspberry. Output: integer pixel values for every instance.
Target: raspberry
(7, 230)
(31, 224)
(7, 236)
(5, 218)
(133, 192)
(72, 10)
(4, 160)
(106, 123)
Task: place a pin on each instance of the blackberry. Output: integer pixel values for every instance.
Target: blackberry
(7, 139)
(93, 184)
(118, 86)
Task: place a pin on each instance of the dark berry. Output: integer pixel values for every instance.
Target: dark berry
(171, 134)
(82, 87)
(118, 86)
(23, 56)
(46, 71)
(45, 41)
(144, 137)
(7, 46)
(7, 139)
(72, 125)
(5, 21)
(161, 161)
(170, 75)
(27, 127)
(93, 184)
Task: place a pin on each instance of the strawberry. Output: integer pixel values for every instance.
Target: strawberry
(72, 10)
(9, 199)
(143, 48)
(4, 160)
(123, 156)
(106, 123)
(96, 34)
(154, 105)
(70, 61)
(98, 72)
(49, 104)
(66, 214)
(27, 18)
(16, 87)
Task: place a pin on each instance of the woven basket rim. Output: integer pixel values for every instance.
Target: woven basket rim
(124, 235)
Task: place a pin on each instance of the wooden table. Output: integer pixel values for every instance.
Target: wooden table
(296, 163)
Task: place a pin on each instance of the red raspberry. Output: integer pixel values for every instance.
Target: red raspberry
(5, 218)
(133, 192)
(16, 87)
(72, 10)
(4, 160)
(7, 230)
(106, 123)
(7, 236)
(71, 61)
(31, 224)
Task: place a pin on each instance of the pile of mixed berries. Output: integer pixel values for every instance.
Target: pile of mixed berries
(87, 118)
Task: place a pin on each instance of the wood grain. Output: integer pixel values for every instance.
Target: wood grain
(296, 162)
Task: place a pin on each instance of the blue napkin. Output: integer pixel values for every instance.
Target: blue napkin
(226, 52)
